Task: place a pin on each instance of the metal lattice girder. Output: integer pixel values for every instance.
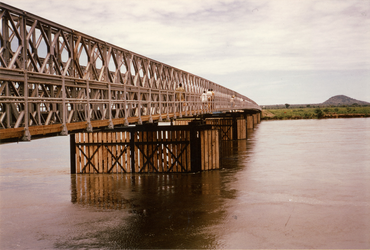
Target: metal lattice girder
(51, 74)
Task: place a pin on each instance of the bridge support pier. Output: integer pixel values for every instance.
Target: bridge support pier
(232, 126)
(255, 119)
(147, 148)
(250, 122)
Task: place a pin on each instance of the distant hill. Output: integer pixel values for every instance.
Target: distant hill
(337, 100)
(343, 100)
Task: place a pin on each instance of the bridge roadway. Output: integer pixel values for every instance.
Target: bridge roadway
(56, 80)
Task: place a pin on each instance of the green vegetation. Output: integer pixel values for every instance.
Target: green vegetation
(316, 112)
(319, 113)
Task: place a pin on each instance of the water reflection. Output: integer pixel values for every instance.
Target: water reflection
(235, 152)
(165, 210)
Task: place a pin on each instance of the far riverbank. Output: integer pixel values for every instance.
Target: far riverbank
(315, 113)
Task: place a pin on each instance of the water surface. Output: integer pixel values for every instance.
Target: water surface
(291, 184)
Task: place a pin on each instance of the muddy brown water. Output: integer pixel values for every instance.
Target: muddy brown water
(291, 184)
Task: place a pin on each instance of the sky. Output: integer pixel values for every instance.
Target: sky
(272, 51)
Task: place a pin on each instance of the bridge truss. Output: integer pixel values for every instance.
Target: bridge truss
(54, 79)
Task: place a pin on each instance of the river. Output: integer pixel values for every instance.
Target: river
(291, 184)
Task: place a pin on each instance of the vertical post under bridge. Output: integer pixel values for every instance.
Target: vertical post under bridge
(232, 126)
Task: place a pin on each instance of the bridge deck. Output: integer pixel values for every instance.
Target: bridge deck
(54, 79)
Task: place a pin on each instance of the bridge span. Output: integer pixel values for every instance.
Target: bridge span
(55, 80)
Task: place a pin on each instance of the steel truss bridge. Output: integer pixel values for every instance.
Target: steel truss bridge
(54, 79)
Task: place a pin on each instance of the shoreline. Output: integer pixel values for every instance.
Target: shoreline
(326, 116)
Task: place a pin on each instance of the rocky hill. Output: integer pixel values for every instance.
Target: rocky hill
(337, 100)
(343, 100)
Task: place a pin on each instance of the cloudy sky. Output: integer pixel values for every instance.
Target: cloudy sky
(273, 51)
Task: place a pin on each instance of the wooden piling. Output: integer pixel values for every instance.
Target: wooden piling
(146, 149)
(242, 128)
(231, 128)
(254, 119)
(250, 124)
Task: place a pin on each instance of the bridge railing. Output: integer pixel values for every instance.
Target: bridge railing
(51, 74)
